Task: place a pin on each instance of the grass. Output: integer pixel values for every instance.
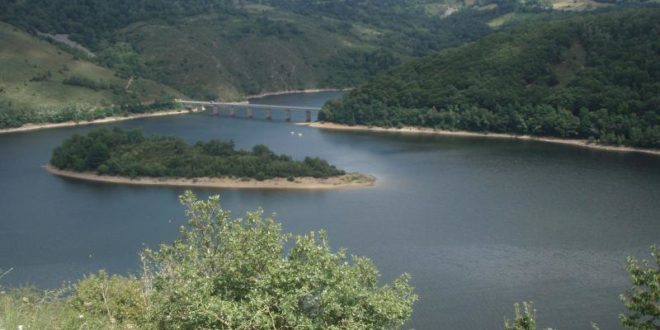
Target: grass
(28, 308)
(33, 71)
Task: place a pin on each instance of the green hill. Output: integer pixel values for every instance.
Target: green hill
(41, 82)
(255, 48)
(594, 76)
(229, 49)
(224, 49)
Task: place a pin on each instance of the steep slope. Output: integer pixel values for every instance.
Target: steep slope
(230, 48)
(596, 77)
(227, 49)
(40, 82)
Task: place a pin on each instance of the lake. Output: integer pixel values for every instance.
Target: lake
(479, 223)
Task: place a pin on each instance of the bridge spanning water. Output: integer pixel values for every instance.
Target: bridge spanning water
(232, 108)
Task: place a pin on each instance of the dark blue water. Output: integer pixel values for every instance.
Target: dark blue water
(478, 223)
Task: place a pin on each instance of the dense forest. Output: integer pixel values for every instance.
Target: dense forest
(132, 154)
(96, 21)
(595, 77)
(229, 49)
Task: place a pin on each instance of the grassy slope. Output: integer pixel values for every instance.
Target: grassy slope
(211, 55)
(25, 60)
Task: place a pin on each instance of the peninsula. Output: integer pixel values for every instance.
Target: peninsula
(129, 157)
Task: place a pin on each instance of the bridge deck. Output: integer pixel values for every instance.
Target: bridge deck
(249, 105)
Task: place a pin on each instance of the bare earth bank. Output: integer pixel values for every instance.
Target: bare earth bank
(422, 130)
(350, 180)
(32, 127)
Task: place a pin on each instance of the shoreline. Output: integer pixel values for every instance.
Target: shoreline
(349, 180)
(296, 91)
(33, 127)
(431, 131)
(111, 119)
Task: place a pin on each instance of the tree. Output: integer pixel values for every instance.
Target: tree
(643, 299)
(225, 273)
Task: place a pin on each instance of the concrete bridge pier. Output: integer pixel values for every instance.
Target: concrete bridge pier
(287, 114)
(269, 114)
(250, 114)
(216, 110)
(232, 112)
(308, 116)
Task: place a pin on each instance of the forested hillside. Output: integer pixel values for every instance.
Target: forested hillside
(595, 77)
(229, 49)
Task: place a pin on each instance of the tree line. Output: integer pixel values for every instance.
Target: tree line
(133, 154)
(594, 77)
(15, 116)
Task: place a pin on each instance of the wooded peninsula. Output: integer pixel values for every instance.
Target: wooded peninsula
(131, 157)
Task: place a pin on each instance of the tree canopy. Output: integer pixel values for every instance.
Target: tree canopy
(132, 154)
(595, 76)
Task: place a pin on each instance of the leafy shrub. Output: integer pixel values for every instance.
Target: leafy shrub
(225, 273)
(118, 298)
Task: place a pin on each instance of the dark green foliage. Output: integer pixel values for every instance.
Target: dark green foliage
(596, 76)
(93, 21)
(409, 28)
(16, 117)
(246, 49)
(123, 59)
(352, 66)
(131, 154)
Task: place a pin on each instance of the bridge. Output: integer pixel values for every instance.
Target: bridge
(233, 107)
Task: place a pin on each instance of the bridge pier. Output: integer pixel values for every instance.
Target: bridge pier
(250, 114)
(216, 110)
(308, 116)
(269, 114)
(287, 114)
(232, 112)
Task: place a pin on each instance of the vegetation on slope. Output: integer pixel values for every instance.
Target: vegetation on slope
(268, 47)
(595, 77)
(40, 82)
(227, 273)
(227, 49)
(132, 154)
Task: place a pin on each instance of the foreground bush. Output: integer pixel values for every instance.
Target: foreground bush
(226, 273)
(118, 299)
